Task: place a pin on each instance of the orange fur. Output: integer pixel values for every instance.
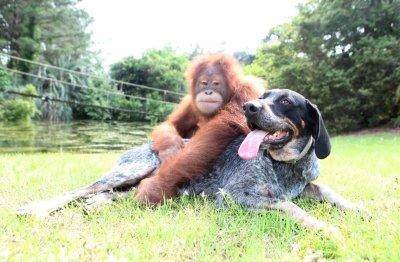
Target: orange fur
(209, 135)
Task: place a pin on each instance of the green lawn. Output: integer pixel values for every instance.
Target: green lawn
(365, 169)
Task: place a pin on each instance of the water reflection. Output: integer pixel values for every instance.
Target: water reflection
(78, 136)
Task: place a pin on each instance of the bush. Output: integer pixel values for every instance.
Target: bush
(19, 109)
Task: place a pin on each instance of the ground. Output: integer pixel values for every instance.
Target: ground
(363, 168)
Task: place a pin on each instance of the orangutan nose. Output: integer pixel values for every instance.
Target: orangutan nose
(208, 92)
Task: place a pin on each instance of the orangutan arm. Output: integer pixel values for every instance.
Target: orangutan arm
(192, 161)
(167, 137)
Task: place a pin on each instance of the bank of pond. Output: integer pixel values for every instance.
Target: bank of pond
(75, 136)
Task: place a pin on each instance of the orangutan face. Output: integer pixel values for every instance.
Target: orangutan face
(212, 91)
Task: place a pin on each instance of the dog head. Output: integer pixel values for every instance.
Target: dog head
(284, 123)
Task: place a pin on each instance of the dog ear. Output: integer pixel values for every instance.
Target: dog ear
(318, 131)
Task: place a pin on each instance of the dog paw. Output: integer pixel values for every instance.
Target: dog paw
(98, 200)
(359, 209)
(329, 230)
(333, 231)
(39, 210)
(366, 215)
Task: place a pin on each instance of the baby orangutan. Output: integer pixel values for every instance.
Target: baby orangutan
(211, 115)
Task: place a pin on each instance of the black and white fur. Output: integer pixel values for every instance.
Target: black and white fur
(279, 173)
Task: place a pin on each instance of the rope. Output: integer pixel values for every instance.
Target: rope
(89, 75)
(83, 87)
(47, 98)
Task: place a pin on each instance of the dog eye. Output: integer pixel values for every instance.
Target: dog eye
(285, 101)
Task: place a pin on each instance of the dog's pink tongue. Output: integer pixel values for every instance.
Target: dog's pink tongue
(251, 144)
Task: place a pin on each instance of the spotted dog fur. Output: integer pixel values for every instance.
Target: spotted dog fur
(279, 173)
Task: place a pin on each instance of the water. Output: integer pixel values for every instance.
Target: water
(77, 136)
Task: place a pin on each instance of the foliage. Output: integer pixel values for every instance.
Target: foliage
(62, 85)
(19, 109)
(89, 89)
(49, 31)
(159, 68)
(158, 110)
(149, 110)
(132, 104)
(104, 92)
(88, 86)
(45, 30)
(5, 80)
(97, 90)
(342, 54)
(55, 32)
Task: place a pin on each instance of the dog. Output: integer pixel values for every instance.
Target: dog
(276, 162)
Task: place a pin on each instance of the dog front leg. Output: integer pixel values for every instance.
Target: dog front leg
(260, 198)
(304, 218)
(324, 193)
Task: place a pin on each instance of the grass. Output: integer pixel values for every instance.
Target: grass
(362, 168)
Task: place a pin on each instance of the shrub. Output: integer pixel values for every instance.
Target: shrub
(19, 109)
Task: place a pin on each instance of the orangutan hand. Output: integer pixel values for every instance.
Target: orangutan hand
(166, 153)
(151, 191)
(168, 146)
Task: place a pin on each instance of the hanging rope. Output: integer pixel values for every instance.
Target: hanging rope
(74, 102)
(85, 87)
(89, 75)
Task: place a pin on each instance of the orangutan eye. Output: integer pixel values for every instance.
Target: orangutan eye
(204, 83)
(285, 101)
(215, 83)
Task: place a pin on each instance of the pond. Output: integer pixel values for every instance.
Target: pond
(76, 136)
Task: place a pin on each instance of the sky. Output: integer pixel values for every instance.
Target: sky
(123, 28)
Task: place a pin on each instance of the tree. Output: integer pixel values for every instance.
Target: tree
(44, 30)
(342, 54)
(53, 32)
(162, 69)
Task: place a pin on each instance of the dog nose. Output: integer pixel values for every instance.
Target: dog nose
(252, 108)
